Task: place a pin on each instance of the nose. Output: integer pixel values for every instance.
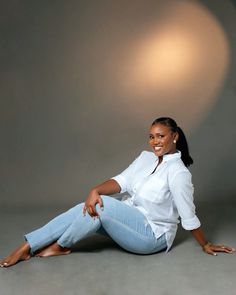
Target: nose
(156, 140)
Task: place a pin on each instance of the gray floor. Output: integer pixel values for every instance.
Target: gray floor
(98, 266)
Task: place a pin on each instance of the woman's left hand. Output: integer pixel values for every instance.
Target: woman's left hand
(212, 249)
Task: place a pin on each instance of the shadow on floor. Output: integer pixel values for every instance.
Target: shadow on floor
(95, 243)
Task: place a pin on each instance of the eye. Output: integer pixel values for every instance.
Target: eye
(151, 136)
(160, 136)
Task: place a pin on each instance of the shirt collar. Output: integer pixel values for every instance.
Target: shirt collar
(170, 157)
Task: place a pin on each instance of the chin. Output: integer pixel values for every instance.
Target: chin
(158, 154)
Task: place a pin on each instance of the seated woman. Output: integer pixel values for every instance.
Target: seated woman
(161, 191)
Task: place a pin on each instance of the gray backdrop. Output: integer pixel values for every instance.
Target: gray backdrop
(71, 113)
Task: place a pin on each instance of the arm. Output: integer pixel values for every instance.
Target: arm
(207, 246)
(182, 191)
(108, 187)
(117, 184)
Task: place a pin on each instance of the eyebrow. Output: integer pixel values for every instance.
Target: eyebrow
(156, 133)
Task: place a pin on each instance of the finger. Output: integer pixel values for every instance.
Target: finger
(84, 210)
(100, 203)
(229, 248)
(91, 211)
(226, 250)
(211, 252)
(94, 210)
(220, 247)
(223, 248)
(229, 251)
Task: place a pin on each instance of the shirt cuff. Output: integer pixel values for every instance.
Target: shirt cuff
(121, 181)
(191, 223)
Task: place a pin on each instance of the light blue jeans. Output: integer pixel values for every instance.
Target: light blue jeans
(126, 225)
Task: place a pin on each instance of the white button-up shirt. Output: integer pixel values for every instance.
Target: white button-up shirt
(161, 196)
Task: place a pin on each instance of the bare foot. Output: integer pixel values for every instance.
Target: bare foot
(21, 253)
(53, 250)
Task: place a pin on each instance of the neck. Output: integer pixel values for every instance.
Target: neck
(160, 160)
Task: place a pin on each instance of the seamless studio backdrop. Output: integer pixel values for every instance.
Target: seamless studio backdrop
(81, 81)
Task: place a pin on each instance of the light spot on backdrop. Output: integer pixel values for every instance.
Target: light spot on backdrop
(167, 58)
(178, 67)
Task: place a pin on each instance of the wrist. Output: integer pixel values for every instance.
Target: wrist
(94, 191)
(206, 246)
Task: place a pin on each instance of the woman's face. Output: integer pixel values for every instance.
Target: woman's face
(161, 140)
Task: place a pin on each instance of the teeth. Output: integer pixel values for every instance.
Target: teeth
(157, 148)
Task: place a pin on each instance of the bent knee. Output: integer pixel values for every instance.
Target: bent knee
(108, 206)
(107, 201)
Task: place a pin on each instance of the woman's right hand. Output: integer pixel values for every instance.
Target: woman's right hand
(90, 203)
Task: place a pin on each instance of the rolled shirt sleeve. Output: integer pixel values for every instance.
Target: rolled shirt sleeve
(124, 179)
(181, 188)
(122, 182)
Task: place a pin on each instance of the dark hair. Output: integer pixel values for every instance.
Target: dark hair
(181, 144)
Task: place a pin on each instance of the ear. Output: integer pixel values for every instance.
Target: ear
(176, 136)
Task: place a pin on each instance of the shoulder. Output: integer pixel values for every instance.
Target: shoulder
(148, 155)
(178, 171)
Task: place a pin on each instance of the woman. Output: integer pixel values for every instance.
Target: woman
(161, 191)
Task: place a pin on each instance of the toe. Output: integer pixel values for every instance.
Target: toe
(4, 264)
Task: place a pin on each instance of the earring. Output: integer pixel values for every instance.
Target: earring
(174, 141)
